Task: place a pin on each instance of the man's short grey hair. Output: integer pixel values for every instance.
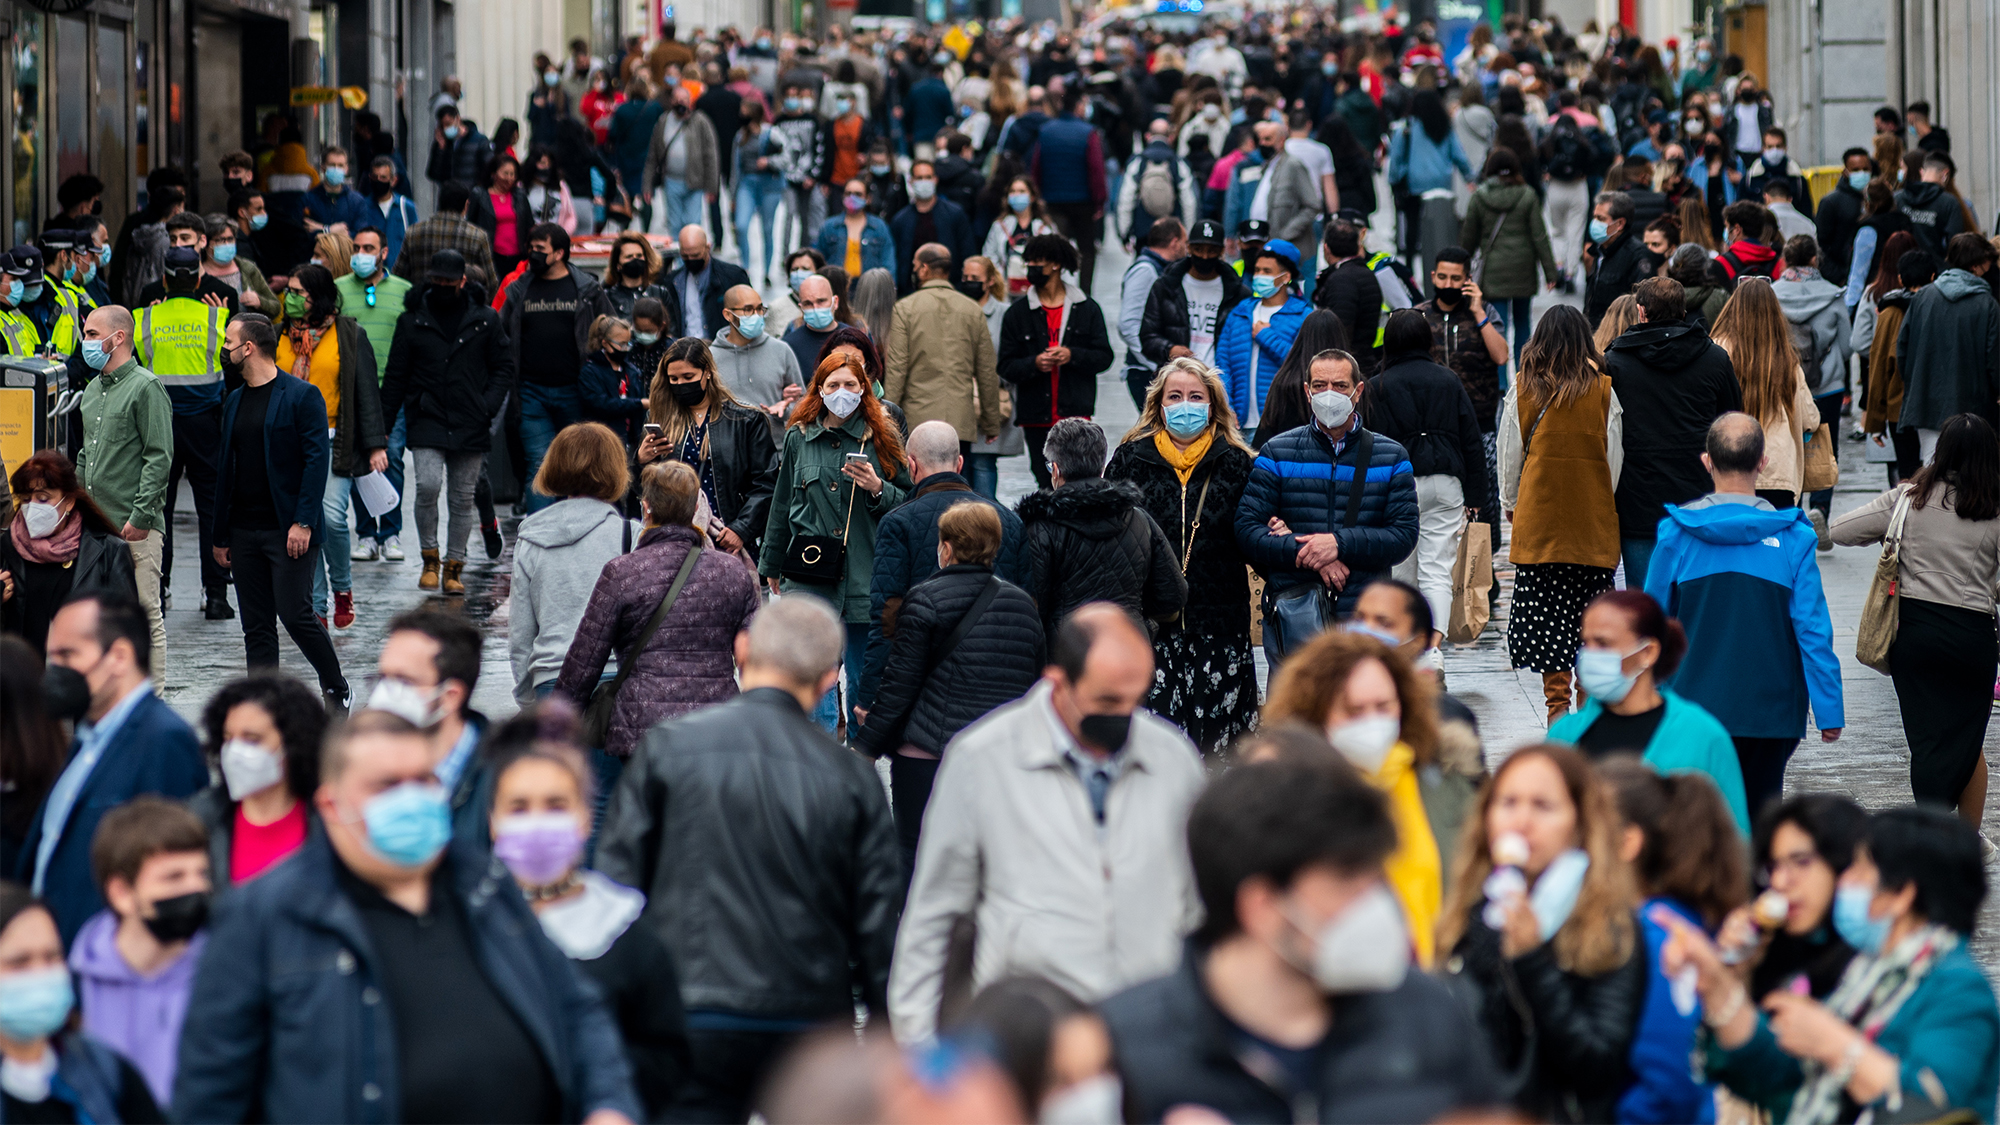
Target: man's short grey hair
(1619, 203)
(934, 445)
(1076, 447)
(797, 635)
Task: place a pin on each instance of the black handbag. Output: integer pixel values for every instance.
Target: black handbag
(1303, 611)
(603, 701)
(821, 560)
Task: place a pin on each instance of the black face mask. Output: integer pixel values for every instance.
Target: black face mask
(445, 302)
(537, 261)
(1106, 732)
(695, 265)
(1204, 269)
(1450, 294)
(232, 367)
(1037, 276)
(687, 394)
(634, 268)
(178, 918)
(1268, 152)
(384, 187)
(65, 693)
(973, 289)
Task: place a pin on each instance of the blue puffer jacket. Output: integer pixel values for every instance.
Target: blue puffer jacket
(1274, 343)
(1295, 478)
(1744, 581)
(287, 1022)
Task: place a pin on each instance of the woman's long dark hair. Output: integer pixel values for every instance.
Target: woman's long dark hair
(32, 745)
(1967, 464)
(531, 172)
(1428, 108)
(1286, 405)
(322, 299)
(1888, 257)
(1561, 360)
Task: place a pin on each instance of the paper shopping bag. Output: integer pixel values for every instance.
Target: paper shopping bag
(1471, 585)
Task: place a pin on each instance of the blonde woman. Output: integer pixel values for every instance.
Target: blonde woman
(693, 418)
(1561, 449)
(1752, 328)
(1560, 977)
(1622, 315)
(332, 249)
(1190, 464)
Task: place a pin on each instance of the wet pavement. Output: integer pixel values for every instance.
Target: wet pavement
(1870, 762)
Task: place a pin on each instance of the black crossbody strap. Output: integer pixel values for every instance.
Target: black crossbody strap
(1364, 452)
(659, 617)
(971, 618)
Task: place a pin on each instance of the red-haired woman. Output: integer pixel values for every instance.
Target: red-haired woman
(841, 471)
(58, 542)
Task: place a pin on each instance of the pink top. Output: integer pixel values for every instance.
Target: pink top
(254, 848)
(506, 237)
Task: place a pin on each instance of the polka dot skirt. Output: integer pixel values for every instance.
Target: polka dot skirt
(1545, 621)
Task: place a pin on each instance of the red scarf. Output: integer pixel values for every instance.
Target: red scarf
(60, 547)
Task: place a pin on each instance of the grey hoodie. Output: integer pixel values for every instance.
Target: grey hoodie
(1814, 304)
(557, 558)
(757, 372)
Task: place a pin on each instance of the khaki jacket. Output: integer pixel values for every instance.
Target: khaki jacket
(1945, 559)
(1009, 839)
(940, 350)
(1785, 441)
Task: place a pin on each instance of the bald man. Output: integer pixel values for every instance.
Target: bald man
(817, 310)
(698, 282)
(1743, 578)
(1030, 801)
(756, 366)
(939, 364)
(128, 445)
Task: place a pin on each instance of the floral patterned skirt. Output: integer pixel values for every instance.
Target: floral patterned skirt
(1205, 683)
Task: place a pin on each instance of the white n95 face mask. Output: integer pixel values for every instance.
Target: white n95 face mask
(1366, 948)
(1366, 742)
(249, 768)
(1332, 409)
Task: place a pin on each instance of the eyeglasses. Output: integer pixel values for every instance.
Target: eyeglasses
(750, 310)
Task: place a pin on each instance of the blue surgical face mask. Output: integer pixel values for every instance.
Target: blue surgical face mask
(1019, 201)
(1367, 630)
(1329, 67)
(645, 339)
(14, 291)
(1262, 287)
(225, 253)
(334, 177)
(751, 325)
(1774, 158)
(1186, 419)
(35, 1004)
(363, 265)
(819, 320)
(1598, 231)
(104, 254)
(33, 290)
(451, 132)
(410, 824)
(842, 106)
(1852, 922)
(798, 278)
(550, 78)
(258, 220)
(95, 353)
(1601, 672)
(1858, 180)
(791, 105)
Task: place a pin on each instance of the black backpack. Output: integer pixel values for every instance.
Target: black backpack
(1570, 155)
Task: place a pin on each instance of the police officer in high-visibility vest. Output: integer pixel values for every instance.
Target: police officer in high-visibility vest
(59, 306)
(17, 333)
(180, 340)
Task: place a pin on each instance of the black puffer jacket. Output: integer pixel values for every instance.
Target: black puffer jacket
(924, 701)
(764, 923)
(1165, 326)
(1090, 541)
(1218, 598)
(451, 384)
(1566, 1053)
(1425, 408)
(1070, 391)
(1672, 381)
(617, 300)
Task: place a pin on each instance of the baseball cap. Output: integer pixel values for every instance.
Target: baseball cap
(56, 240)
(183, 259)
(10, 267)
(446, 265)
(27, 259)
(1253, 230)
(1284, 251)
(1206, 232)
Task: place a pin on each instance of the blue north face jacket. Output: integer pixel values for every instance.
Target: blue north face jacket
(1297, 478)
(1744, 580)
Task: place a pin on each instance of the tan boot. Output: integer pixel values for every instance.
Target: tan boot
(428, 580)
(1555, 692)
(452, 585)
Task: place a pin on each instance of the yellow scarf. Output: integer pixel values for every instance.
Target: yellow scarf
(1415, 871)
(1183, 463)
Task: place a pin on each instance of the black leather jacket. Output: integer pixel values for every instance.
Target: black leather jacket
(762, 921)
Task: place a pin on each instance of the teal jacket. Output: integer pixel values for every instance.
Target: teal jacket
(1950, 1026)
(1687, 739)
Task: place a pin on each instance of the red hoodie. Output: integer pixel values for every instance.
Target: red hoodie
(1748, 259)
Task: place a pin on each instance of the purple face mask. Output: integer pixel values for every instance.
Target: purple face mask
(538, 848)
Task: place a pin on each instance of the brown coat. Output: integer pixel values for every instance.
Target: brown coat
(1885, 378)
(939, 351)
(1566, 511)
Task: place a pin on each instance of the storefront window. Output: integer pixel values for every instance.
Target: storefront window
(114, 131)
(72, 97)
(25, 103)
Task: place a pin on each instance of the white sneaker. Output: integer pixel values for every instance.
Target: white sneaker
(392, 549)
(364, 551)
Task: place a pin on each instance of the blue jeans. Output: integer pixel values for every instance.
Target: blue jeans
(828, 713)
(982, 471)
(391, 523)
(545, 411)
(1638, 556)
(338, 573)
(1515, 314)
(684, 203)
(757, 197)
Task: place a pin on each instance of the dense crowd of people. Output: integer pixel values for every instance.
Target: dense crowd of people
(840, 790)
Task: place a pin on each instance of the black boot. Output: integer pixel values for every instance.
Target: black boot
(215, 606)
(494, 543)
(336, 700)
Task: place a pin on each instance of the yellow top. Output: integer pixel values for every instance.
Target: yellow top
(323, 371)
(1415, 871)
(853, 263)
(1183, 463)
